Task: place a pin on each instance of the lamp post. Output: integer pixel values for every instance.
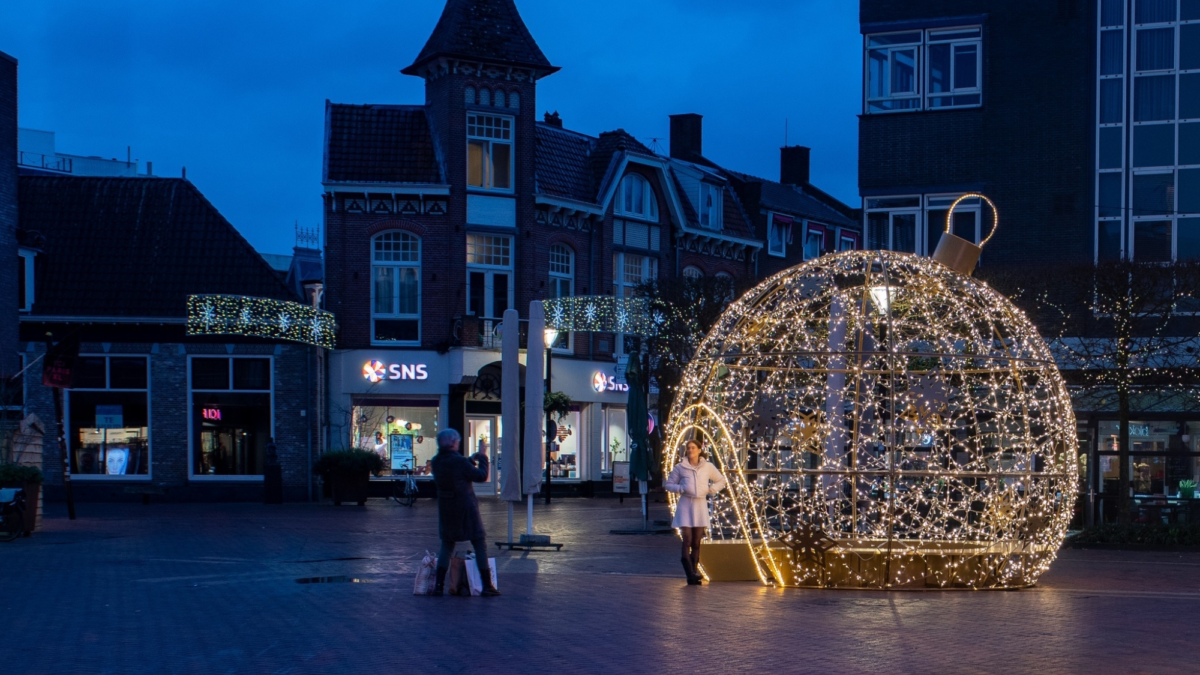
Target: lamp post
(551, 335)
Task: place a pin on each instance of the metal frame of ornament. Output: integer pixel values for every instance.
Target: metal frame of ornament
(884, 422)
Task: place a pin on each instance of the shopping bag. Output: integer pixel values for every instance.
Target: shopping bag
(426, 575)
(456, 580)
(476, 580)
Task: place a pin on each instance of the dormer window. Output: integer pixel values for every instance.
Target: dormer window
(637, 198)
(710, 206)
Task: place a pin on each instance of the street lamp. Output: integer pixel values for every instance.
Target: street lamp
(551, 336)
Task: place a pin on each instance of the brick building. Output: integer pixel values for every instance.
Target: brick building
(991, 96)
(11, 279)
(1081, 120)
(152, 409)
(441, 215)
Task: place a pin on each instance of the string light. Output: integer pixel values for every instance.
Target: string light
(260, 317)
(599, 314)
(884, 422)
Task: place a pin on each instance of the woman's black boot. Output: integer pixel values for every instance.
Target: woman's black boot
(691, 573)
(440, 588)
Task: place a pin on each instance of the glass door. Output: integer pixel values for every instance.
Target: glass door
(483, 436)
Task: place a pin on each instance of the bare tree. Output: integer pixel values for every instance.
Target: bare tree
(683, 310)
(1122, 330)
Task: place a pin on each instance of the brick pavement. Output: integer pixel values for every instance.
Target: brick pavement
(212, 589)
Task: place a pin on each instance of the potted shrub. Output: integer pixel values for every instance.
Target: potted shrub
(349, 473)
(28, 478)
(1187, 489)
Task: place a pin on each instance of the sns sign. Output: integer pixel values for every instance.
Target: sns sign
(602, 383)
(376, 371)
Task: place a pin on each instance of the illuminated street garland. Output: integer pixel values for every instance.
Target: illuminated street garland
(260, 317)
(599, 314)
(884, 422)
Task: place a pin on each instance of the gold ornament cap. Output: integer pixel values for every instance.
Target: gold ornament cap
(957, 253)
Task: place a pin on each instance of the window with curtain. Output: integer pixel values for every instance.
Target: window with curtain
(637, 198)
(1155, 49)
(1154, 11)
(1154, 98)
(396, 287)
(489, 149)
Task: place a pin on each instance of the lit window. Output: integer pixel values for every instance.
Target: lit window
(108, 430)
(396, 288)
(489, 275)
(231, 416)
(710, 206)
(637, 198)
(489, 151)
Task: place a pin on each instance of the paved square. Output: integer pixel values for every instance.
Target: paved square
(134, 589)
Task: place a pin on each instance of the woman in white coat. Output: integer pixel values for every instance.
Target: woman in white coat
(693, 479)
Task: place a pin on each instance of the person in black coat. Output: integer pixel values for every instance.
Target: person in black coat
(458, 509)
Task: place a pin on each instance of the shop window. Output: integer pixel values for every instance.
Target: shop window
(489, 273)
(616, 438)
(562, 285)
(232, 416)
(404, 435)
(396, 288)
(489, 149)
(565, 461)
(109, 418)
(637, 198)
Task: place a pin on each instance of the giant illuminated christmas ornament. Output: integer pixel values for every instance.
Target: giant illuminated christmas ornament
(885, 421)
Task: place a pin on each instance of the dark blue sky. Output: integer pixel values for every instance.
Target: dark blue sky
(234, 89)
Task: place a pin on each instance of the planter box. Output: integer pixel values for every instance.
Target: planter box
(32, 492)
(351, 488)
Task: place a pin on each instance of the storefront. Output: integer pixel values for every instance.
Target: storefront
(394, 402)
(595, 433)
(391, 402)
(1162, 454)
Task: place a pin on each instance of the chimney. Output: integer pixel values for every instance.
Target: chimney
(149, 168)
(687, 133)
(793, 165)
(553, 119)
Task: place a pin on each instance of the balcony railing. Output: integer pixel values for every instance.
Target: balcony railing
(485, 333)
(38, 160)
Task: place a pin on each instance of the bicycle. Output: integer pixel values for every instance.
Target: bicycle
(404, 490)
(12, 513)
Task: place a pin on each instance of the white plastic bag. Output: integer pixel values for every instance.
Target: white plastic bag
(476, 580)
(426, 575)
